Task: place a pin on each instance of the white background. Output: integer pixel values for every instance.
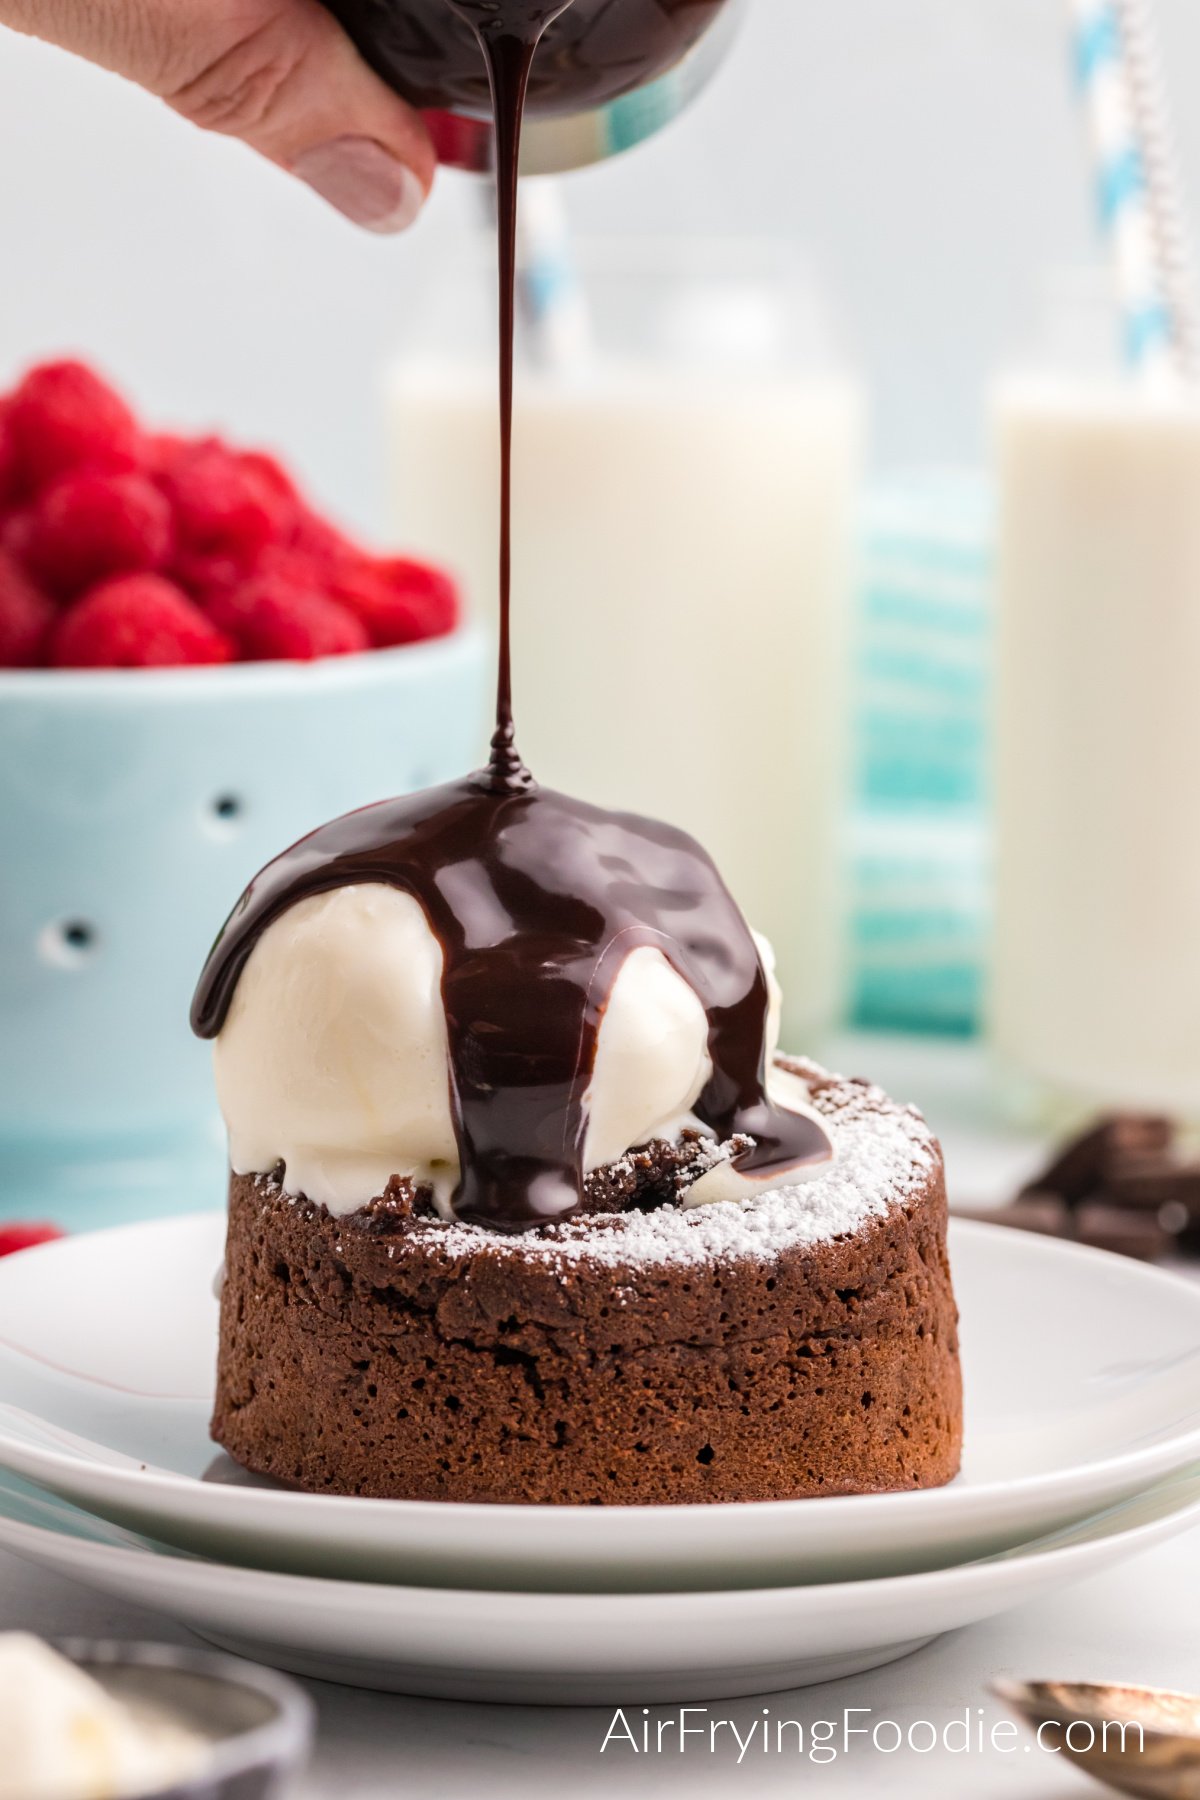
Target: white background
(927, 155)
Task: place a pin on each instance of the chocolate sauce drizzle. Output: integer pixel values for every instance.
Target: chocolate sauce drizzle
(536, 898)
(509, 32)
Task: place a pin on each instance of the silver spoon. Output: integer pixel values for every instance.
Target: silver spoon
(1156, 1755)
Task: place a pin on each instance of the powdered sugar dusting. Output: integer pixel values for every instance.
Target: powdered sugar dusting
(883, 1155)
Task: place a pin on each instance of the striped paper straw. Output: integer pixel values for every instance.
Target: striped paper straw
(551, 300)
(1164, 187)
(1117, 60)
(550, 292)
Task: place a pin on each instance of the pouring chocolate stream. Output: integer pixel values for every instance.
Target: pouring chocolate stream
(535, 898)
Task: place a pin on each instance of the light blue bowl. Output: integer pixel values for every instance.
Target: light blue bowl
(134, 807)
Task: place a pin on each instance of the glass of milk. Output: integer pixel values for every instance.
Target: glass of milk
(686, 458)
(1096, 984)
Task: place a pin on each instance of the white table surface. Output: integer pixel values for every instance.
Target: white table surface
(1134, 1624)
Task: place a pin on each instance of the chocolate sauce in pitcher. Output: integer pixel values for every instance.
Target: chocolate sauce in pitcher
(536, 898)
(592, 52)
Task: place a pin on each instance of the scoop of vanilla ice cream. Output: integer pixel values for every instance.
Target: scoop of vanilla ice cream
(64, 1737)
(334, 1061)
(723, 1181)
(333, 1058)
(652, 1061)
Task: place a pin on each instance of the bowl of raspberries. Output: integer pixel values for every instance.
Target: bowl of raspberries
(196, 667)
(122, 548)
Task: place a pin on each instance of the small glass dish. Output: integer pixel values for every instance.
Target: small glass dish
(258, 1723)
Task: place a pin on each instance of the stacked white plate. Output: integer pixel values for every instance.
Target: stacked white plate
(1083, 1448)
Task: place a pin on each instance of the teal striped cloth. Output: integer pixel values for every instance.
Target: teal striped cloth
(918, 919)
(919, 835)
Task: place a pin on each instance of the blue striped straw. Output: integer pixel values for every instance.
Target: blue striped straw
(1138, 189)
(1164, 183)
(550, 292)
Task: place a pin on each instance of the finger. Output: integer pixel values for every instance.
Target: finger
(294, 88)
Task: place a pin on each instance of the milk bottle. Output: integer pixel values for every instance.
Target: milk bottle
(1096, 987)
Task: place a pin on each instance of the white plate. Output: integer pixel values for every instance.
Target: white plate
(575, 1650)
(1083, 1387)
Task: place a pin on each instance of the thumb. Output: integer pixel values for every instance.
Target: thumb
(280, 74)
(290, 83)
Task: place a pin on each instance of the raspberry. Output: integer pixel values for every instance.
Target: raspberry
(206, 579)
(272, 474)
(25, 1237)
(212, 580)
(398, 600)
(25, 618)
(162, 448)
(62, 417)
(15, 534)
(224, 504)
(10, 487)
(273, 616)
(133, 622)
(322, 543)
(91, 525)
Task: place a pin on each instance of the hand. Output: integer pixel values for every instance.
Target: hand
(279, 74)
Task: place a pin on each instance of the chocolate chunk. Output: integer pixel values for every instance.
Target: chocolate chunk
(1086, 1164)
(1044, 1213)
(1129, 1233)
(1152, 1182)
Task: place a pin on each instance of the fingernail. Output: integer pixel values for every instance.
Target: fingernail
(364, 181)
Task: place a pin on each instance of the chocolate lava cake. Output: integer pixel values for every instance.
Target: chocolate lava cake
(800, 1342)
